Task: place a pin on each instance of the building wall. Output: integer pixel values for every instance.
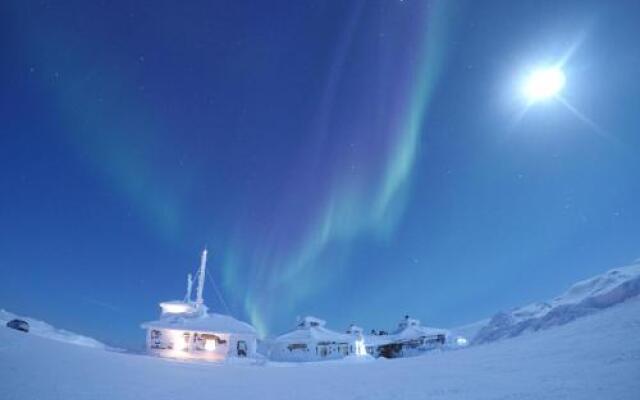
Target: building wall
(211, 346)
(314, 351)
(249, 340)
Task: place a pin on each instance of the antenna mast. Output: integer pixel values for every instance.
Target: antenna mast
(189, 286)
(201, 273)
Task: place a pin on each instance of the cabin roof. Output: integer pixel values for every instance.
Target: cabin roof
(416, 331)
(378, 340)
(210, 322)
(314, 334)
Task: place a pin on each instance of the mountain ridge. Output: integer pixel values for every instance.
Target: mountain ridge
(582, 298)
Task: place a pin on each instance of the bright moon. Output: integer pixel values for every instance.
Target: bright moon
(544, 83)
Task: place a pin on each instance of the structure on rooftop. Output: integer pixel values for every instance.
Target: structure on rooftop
(187, 330)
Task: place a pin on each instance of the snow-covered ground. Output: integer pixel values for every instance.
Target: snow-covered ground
(40, 328)
(594, 357)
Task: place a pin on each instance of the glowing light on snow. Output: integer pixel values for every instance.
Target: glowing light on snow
(361, 350)
(544, 83)
(210, 345)
(460, 341)
(180, 343)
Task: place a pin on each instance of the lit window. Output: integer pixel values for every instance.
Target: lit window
(210, 345)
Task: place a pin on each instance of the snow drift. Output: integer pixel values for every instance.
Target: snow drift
(40, 328)
(583, 298)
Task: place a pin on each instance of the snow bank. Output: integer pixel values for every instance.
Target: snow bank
(40, 328)
(583, 298)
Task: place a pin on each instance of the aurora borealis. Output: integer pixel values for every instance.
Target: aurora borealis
(357, 161)
(357, 203)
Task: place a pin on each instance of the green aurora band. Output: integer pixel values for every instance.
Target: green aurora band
(353, 209)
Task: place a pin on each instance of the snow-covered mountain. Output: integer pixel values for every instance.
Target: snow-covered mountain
(40, 328)
(583, 298)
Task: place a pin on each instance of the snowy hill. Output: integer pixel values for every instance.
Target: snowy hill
(40, 328)
(583, 298)
(595, 357)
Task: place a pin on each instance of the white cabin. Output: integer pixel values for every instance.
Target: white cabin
(409, 339)
(187, 330)
(312, 341)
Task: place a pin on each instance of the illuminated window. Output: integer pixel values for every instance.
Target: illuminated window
(210, 345)
(208, 342)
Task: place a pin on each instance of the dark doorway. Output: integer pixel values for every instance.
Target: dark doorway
(242, 348)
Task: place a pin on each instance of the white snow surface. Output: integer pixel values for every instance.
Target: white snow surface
(583, 298)
(40, 328)
(595, 357)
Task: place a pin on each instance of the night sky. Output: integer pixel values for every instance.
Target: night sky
(356, 161)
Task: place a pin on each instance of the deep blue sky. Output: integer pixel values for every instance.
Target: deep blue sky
(352, 160)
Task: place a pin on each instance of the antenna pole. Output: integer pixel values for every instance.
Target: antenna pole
(203, 267)
(189, 287)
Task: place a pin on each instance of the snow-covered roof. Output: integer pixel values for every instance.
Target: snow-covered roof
(408, 333)
(378, 340)
(176, 302)
(413, 331)
(354, 329)
(410, 328)
(210, 322)
(313, 334)
(311, 321)
(179, 307)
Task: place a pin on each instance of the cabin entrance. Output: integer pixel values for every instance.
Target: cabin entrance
(323, 349)
(242, 348)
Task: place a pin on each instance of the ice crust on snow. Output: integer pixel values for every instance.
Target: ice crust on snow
(583, 298)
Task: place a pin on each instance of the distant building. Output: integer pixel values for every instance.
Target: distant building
(408, 340)
(187, 330)
(312, 341)
(358, 347)
(375, 341)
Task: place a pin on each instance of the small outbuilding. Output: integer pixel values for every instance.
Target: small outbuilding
(187, 330)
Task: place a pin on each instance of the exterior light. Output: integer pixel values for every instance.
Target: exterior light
(210, 345)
